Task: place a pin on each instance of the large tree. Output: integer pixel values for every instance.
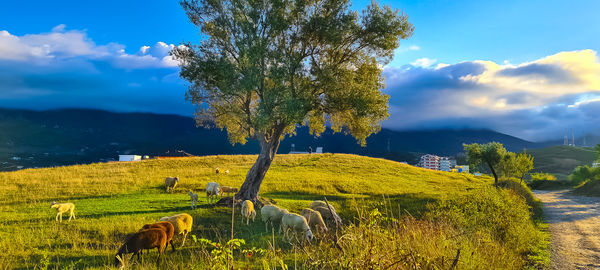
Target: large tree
(490, 154)
(263, 67)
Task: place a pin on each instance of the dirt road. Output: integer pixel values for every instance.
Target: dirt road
(575, 229)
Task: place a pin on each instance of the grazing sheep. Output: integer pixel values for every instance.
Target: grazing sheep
(193, 199)
(171, 183)
(297, 224)
(228, 189)
(212, 190)
(322, 204)
(145, 239)
(227, 172)
(330, 217)
(182, 224)
(218, 170)
(314, 219)
(63, 208)
(248, 211)
(165, 226)
(270, 214)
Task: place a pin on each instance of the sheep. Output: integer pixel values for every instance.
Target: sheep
(296, 223)
(212, 190)
(63, 208)
(330, 217)
(322, 204)
(145, 239)
(227, 172)
(248, 211)
(228, 189)
(193, 199)
(217, 170)
(171, 183)
(182, 224)
(314, 219)
(165, 226)
(271, 213)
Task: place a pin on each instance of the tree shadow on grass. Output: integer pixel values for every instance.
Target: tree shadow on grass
(307, 196)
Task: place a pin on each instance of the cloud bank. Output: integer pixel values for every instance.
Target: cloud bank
(65, 68)
(535, 100)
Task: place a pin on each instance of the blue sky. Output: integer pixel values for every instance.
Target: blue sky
(526, 68)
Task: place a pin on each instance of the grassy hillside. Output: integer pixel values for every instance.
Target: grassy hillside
(561, 160)
(423, 216)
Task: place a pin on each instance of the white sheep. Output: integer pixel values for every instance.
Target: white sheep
(212, 190)
(271, 214)
(171, 183)
(182, 223)
(227, 172)
(248, 211)
(314, 219)
(63, 208)
(193, 199)
(297, 224)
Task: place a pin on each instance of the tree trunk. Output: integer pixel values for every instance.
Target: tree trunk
(256, 174)
(494, 173)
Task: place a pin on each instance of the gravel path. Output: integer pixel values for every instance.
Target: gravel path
(575, 228)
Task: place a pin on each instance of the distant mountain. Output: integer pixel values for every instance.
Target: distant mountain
(70, 136)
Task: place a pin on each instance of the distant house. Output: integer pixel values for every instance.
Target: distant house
(319, 150)
(430, 162)
(130, 158)
(596, 164)
(446, 164)
(462, 168)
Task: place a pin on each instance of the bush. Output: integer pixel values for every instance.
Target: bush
(543, 177)
(583, 174)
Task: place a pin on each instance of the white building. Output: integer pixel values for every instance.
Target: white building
(430, 162)
(446, 164)
(130, 158)
(596, 164)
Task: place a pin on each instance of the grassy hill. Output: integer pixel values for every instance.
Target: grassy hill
(561, 160)
(423, 217)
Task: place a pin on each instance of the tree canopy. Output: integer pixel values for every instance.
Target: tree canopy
(490, 154)
(263, 67)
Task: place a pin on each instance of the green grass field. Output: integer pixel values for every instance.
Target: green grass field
(561, 160)
(423, 216)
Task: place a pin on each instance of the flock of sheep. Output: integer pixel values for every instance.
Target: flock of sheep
(160, 234)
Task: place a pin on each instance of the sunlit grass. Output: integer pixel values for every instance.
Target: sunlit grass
(114, 199)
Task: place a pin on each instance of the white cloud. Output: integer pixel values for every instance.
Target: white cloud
(515, 98)
(423, 62)
(61, 44)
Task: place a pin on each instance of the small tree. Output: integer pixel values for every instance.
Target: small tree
(264, 67)
(490, 154)
(524, 164)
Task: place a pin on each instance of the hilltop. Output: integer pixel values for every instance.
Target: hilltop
(561, 160)
(439, 212)
(78, 136)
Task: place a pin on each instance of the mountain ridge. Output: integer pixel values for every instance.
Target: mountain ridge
(74, 136)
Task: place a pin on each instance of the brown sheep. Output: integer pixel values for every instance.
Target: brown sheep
(228, 189)
(167, 227)
(171, 183)
(145, 239)
(314, 219)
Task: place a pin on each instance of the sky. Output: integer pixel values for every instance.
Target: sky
(526, 68)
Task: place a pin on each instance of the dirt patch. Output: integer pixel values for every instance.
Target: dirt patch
(574, 224)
